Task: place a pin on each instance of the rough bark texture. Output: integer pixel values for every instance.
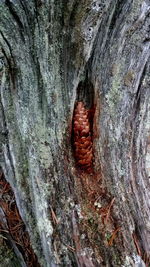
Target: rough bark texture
(54, 53)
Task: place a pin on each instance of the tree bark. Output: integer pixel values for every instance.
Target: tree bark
(54, 54)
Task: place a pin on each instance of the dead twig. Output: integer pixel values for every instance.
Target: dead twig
(109, 208)
(15, 225)
(113, 236)
(70, 248)
(136, 242)
(55, 220)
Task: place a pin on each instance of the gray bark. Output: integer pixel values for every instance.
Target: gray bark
(47, 49)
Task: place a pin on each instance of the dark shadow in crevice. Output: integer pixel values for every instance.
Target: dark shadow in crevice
(85, 93)
(13, 12)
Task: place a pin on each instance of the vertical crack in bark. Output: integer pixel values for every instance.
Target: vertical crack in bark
(7, 43)
(138, 93)
(16, 18)
(12, 70)
(138, 177)
(14, 14)
(7, 139)
(10, 61)
(120, 5)
(37, 4)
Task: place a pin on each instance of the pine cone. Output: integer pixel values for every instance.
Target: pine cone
(82, 137)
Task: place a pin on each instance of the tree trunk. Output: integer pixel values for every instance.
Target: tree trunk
(55, 54)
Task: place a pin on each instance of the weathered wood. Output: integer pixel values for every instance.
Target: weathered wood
(76, 218)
